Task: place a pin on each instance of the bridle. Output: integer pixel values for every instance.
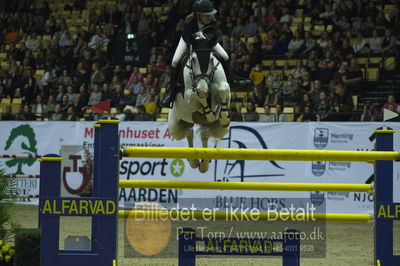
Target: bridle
(207, 77)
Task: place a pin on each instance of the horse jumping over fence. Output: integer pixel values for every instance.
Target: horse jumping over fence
(205, 100)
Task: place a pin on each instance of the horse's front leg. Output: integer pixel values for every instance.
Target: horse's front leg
(206, 109)
(194, 163)
(224, 92)
(205, 163)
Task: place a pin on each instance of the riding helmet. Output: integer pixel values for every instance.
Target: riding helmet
(204, 7)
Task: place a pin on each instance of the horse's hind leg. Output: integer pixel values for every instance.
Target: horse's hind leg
(194, 163)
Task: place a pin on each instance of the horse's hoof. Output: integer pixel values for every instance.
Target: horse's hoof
(194, 163)
(204, 165)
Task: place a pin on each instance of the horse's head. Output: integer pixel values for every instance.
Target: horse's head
(200, 62)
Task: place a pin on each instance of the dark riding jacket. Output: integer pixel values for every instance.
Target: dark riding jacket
(190, 27)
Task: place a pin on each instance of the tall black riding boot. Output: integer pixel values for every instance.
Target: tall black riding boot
(230, 77)
(169, 96)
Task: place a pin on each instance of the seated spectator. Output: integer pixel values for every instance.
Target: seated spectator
(360, 45)
(308, 115)
(84, 94)
(238, 30)
(25, 114)
(33, 44)
(64, 80)
(306, 101)
(51, 105)
(305, 82)
(141, 114)
(269, 47)
(129, 98)
(280, 116)
(323, 108)
(80, 75)
(39, 107)
(391, 104)
(375, 42)
(70, 115)
(267, 116)
(272, 98)
(297, 94)
(251, 115)
(325, 73)
(235, 115)
(98, 40)
(352, 78)
(78, 106)
(287, 89)
(369, 113)
(57, 115)
(71, 94)
(141, 98)
(256, 97)
(298, 70)
(251, 27)
(66, 40)
(341, 99)
(296, 44)
(275, 81)
(388, 43)
(257, 76)
(286, 17)
(95, 96)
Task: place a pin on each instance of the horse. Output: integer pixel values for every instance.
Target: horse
(204, 101)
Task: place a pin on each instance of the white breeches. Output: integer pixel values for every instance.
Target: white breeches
(182, 47)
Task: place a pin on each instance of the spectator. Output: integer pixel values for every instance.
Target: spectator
(60, 94)
(287, 89)
(272, 98)
(296, 45)
(141, 98)
(308, 115)
(251, 115)
(369, 113)
(360, 45)
(95, 96)
(280, 116)
(235, 115)
(64, 80)
(70, 115)
(39, 108)
(388, 43)
(141, 114)
(298, 70)
(81, 75)
(267, 116)
(257, 76)
(391, 104)
(352, 78)
(97, 77)
(64, 104)
(51, 105)
(33, 43)
(71, 95)
(375, 42)
(323, 108)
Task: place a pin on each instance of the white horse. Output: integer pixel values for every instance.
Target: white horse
(205, 100)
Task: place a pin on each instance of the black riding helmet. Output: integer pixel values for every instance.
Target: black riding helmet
(204, 7)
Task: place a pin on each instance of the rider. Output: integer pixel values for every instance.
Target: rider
(203, 19)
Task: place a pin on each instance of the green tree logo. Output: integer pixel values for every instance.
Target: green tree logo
(28, 147)
(177, 167)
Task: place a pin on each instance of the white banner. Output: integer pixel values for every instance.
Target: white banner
(48, 137)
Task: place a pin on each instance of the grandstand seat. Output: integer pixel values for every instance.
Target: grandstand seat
(372, 74)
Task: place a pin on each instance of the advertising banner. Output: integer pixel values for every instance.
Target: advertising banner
(55, 137)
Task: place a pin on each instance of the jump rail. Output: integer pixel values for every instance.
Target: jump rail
(245, 186)
(234, 216)
(258, 154)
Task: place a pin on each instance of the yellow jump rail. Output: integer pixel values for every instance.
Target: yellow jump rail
(245, 186)
(241, 216)
(258, 154)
